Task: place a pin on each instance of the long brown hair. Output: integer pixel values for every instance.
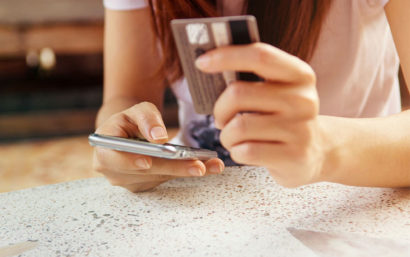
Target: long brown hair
(291, 25)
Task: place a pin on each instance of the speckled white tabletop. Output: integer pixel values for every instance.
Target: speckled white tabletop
(242, 212)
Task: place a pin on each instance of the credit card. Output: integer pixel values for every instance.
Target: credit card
(194, 37)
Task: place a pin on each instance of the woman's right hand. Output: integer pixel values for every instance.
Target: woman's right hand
(140, 172)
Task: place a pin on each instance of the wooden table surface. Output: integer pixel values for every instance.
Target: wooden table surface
(34, 163)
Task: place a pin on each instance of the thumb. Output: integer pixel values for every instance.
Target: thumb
(149, 121)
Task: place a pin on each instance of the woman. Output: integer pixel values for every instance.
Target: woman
(340, 52)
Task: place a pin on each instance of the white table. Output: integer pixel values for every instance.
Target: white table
(242, 212)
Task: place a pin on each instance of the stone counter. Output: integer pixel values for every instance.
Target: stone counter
(242, 212)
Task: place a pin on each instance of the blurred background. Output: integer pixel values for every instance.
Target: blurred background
(51, 68)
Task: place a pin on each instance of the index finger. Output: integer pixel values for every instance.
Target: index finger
(267, 61)
(143, 120)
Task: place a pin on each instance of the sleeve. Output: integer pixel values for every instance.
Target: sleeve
(122, 5)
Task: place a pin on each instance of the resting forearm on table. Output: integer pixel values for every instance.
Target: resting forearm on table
(367, 152)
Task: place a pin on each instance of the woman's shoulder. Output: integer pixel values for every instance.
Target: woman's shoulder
(125, 4)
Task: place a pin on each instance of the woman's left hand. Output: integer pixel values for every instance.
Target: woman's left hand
(273, 123)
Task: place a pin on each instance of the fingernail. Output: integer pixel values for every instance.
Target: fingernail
(158, 133)
(215, 169)
(202, 61)
(142, 163)
(195, 171)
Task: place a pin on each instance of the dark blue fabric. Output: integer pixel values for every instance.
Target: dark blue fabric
(207, 137)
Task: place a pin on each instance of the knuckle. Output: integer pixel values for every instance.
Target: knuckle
(146, 110)
(308, 107)
(149, 112)
(236, 156)
(219, 106)
(236, 91)
(118, 117)
(112, 126)
(262, 53)
(147, 107)
(224, 138)
(240, 124)
(307, 74)
(245, 153)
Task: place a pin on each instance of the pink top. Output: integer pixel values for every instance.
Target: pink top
(355, 62)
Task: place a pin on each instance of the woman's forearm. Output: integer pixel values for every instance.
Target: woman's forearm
(132, 63)
(367, 152)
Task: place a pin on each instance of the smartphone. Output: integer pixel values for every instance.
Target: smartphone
(139, 146)
(194, 37)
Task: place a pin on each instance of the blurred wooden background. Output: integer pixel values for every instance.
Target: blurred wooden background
(66, 26)
(40, 101)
